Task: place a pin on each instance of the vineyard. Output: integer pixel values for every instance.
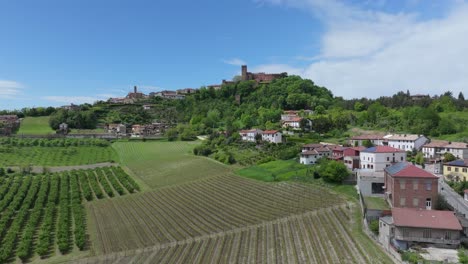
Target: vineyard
(40, 212)
(229, 219)
(56, 152)
(160, 164)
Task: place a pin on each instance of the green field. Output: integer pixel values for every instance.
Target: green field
(35, 126)
(279, 169)
(160, 164)
(55, 156)
(376, 203)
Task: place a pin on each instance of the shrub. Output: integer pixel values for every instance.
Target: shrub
(374, 226)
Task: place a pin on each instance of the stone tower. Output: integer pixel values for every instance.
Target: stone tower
(244, 72)
(135, 89)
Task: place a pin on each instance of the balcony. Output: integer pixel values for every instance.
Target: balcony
(429, 240)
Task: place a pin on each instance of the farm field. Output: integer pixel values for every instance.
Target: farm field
(35, 126)
(160, 164)
(43, 216)
(279, 169)
(54, 152)
(56, 156)
(229, 219)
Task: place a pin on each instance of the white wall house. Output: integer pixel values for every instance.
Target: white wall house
(437, 148)
(272, 136)
(249, 135)
(406, 142)
(312, 156)
(375, 139)
(379, 157)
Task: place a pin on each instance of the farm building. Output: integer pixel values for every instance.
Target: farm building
(408, 226)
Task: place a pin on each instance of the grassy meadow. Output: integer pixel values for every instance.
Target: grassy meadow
(160, 164)
(35, 126)
(279, 170)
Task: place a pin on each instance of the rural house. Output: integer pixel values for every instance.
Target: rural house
(249, 135)
(406, 142)
(409, 186)
(408, 226)
(375, 139)
(311, 153)
(379, 157)
(456, 170)
(351, 157)
(272, 136)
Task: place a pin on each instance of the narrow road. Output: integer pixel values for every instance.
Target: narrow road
(453, 198)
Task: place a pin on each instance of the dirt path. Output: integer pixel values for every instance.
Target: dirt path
(40, 169)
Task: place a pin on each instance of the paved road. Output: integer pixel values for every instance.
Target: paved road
(453, 198)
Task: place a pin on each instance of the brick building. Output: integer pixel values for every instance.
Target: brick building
(260, 77)
(409, 186)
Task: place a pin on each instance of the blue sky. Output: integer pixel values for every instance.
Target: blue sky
(54, 52)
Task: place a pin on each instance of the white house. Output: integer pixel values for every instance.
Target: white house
(406, 142)
(375, 139)
(249, 135)
(311, 156)
(272, 136)
(292, 119)
(434, 148)
(379, 157)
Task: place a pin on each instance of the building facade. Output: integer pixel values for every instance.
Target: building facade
(408, 186)
(250, 135)
(272, 136)
(379, 157)
(456, 170)
(406, 142)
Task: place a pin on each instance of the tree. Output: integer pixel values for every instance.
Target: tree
(441, 203)
(359, 107)
(419, 158)
(449, 157)
(332, 171)
(461, 97)
(367, 143)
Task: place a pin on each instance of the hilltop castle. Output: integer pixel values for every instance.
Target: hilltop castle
(260, 77)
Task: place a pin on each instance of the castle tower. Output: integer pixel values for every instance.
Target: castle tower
(135, 89)
(244, 72)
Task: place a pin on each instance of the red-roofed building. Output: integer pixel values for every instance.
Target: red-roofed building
(351, 157)
(408, 186)
(375, 139)
(272, 136)
(311, 153)
(379, 157)
(249, 135)
(407, 227)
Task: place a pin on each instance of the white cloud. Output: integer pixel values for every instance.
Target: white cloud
(372, 53)
(235, 62)
(10, 89)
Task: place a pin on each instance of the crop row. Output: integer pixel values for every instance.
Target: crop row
(322, 236)
(200, 208)
(37, 212)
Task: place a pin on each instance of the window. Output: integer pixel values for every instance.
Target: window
(465, 170)
(401, 158)
(388, 158)
(405, 232)
(415, 202)
(415, 184)
(456, 169)
(428, 185)
(402, 184)
(427, 233)
(449, 168)
(402, 201)
(448, 235)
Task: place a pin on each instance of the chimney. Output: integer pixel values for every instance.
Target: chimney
(135, 89)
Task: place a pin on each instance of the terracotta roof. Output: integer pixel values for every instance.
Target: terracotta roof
(294, 119)
(459, 163)
(370, 136)
(407, 217)
(270, 132)
(465, 191)
(310, 152)
(313, 145)
(436, 144)
(323, 149)
(249, 131)
(405, 169)
(460, 145)
(361, 148)
(382, 149)
(411, 137)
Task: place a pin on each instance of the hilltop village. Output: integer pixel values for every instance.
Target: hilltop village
(403, 158)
